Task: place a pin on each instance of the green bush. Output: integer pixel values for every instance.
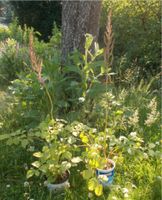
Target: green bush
(13, 58)
(136, 26)
(14, 51)
(4, 33)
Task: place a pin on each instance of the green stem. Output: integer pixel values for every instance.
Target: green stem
(50, 100)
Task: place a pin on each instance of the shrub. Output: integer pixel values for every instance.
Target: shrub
(12, 59)
(4, 32)
(136, 26)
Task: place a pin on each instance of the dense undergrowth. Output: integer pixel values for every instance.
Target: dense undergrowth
(46, 109)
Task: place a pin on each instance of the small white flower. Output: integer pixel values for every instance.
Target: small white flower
(94, 130)
(133, 134)
(8, 186)
(26, 194)
(134, 119)
(103, 178)
(125, 190)
(26, 184)
(45, 183)
(90, 195)
(31, 148)
(81, 99)
(25, 166)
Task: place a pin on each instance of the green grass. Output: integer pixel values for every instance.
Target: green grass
(143, 175)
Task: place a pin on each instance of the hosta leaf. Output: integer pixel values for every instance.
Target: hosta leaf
(99, 190)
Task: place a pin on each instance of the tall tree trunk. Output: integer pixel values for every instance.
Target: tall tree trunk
(78, 18)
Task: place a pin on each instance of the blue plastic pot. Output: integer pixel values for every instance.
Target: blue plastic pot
(105, 177)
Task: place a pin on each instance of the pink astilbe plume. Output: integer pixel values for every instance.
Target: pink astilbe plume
(36, 62)
(108, 41)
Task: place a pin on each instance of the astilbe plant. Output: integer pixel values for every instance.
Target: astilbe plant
(153, 116)
(37, 64)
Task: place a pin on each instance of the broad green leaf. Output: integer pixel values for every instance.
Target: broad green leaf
(36, 164)
(4, 136)
(89, 40)
(16, 141)
(65, 165)
(87, 174)
(30, 173)
(66, 155)
(85, 139)
(99, 190)
(37, 154)
(37, 173)
(92, 184)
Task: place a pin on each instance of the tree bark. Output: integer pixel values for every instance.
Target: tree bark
(78, 18)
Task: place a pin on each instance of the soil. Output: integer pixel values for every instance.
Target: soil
(108, 166)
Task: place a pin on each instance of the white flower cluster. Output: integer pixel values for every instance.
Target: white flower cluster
(134, 119)
(154, 114)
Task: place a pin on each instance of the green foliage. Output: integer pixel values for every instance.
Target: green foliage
(39, 14)
(56, 157)
(136, 27)
(84, 72)
(14, 55)
(4, 33)
(87, 122)
(13, 58)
